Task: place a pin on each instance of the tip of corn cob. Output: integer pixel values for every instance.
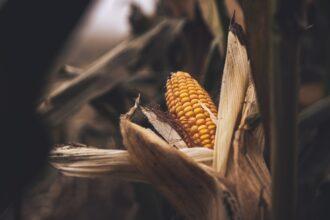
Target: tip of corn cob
(184, 96)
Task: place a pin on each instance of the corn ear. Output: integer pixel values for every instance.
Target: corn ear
(184, 96)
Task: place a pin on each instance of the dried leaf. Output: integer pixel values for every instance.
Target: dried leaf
(239, 145)
(165, 129)
(235, 81)
(95, 80)
(132, 110)
(247, 167)
(212, 116)
(94, 162)
(192, 190)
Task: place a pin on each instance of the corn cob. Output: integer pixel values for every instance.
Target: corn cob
(183, 98)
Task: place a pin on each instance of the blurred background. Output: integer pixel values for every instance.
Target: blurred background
(113, 50)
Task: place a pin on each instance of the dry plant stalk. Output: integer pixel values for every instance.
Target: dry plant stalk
(196, 190)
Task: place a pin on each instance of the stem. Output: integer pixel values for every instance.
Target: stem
(283, 95)
(257, 17)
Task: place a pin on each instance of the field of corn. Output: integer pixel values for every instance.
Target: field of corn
(205, 110)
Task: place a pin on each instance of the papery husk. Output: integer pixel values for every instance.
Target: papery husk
(235, 81)
(168, 128)
(239, 143)
(90, 162)
(246, 165)
(192, 190)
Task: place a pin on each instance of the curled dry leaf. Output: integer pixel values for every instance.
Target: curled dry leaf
(164, 128)
(164, 125)
(193, 191)
(94, 162)
(236, 76)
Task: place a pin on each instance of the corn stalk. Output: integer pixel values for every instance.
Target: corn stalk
(188, 181)
(284, 93)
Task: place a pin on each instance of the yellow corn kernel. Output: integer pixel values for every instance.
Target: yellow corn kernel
(189, 114)
(204, 131)
(194, 128)
(200, 121)
(192, 120)
(183, 98)
(199, 116)
(187, 109)
(205, 137)
(198, 110)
